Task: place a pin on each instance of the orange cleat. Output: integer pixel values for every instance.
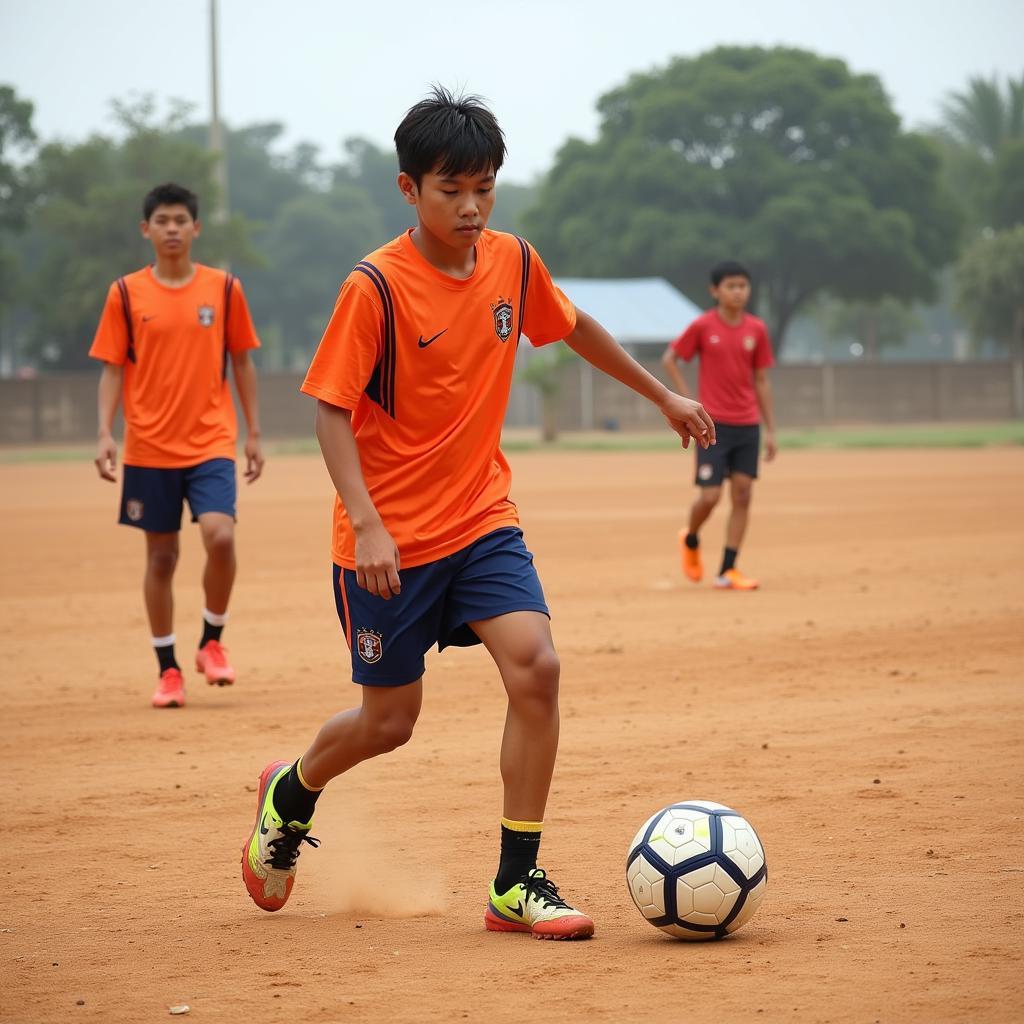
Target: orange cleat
(170, 690)
(733, 579)
(693, 567)
(212, 661)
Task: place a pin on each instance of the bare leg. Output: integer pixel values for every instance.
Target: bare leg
(384, 721)
(705, 504)
(740, 492)
(218, 532)
(520, 644)
(161, 560)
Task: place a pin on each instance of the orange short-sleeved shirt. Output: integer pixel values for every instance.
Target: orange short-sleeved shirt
(425, 363)
(177, 402)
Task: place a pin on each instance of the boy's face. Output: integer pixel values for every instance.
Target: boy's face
(171, 230)
(732, 292)
(455, 209)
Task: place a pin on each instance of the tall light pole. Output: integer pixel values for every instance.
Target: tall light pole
(220, 167)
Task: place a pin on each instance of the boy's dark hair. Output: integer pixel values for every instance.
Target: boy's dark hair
(170, 195)
(449, 134)
(728, 268)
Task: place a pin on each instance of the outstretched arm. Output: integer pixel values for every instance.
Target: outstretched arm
(111, 380)
(245, 382)
(686, 417)
(377, 560)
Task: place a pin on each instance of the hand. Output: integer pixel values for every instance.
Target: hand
(377, 562)
(106, 457)
(688, 419)
(253, 458)
(771, 449)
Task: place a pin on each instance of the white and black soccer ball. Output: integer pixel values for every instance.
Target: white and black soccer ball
(697, 870)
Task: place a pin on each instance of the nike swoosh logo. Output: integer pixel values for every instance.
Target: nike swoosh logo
(518, 909)
(263, 828)
(429, 341)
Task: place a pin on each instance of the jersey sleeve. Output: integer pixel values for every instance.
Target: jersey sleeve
(548, 314)
(763, 356)
(111, 341)
(687, 345)
(349, 350)
(241, 332)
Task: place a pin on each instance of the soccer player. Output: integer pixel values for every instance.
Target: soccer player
(166, 337)
(412, 380)
(735, 355)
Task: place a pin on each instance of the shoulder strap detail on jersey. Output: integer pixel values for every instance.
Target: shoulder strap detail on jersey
(229, 283)
(381, 386)
(122, 287)
(526, 257)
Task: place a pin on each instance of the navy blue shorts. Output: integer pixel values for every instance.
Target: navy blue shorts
(736, 451)
(151, 498)
(388, 639)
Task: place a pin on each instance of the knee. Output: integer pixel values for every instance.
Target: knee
(390, 731)
(220, 541)
(534, 683)
(162, 562)
(741, 495)
(709, 496)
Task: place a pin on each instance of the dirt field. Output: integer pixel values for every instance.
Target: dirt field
(864, 710)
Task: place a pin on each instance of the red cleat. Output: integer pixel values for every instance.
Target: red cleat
(212, 661)
(170, 690)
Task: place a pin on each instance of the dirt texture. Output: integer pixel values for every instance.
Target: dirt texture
(864, 709)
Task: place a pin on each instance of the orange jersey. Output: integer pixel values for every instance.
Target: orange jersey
(425, 363)
(177, 403)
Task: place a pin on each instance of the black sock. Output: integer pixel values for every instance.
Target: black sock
(291, 798)
(692, 541)
(728, 561)
(165, 655)
(518, 856)
(210, 633)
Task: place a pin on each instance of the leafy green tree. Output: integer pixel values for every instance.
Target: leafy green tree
(85, 224)
(781, 158)
(984, 116)
(17, 140)
(877, 326)
(544, 373)
(1008, 185)
(990, 288)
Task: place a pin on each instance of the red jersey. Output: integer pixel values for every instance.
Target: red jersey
(728, 357)
(425, 363)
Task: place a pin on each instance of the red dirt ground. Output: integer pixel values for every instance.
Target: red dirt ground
(863, 710)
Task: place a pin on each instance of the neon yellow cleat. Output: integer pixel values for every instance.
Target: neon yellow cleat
(534, 906)
(268, 859)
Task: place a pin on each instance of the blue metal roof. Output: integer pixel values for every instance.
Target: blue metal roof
(633, 310)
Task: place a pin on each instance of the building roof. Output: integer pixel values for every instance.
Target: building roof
(632, 310)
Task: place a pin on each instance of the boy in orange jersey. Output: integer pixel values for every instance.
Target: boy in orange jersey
(735, 356)
(165, 338)
(412, 379)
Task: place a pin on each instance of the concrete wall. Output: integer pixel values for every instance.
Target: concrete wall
(62, 408)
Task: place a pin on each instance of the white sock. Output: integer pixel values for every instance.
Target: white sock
(164, 641)
(214, 620)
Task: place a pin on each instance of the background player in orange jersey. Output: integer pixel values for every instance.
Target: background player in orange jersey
(735, 355)
(166, 337)
(412, 378)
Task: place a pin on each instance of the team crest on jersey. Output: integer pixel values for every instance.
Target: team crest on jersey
(206, 315)
(749, 343)
(134, 508)
(369, 645)
(705, 472)
(714, 339)
(503, 315)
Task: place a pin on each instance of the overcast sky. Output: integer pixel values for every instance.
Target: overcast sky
(329, 70)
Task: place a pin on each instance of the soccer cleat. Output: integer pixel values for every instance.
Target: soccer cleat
(533, 905)
(170, 690)
(733, 579)
(693, 567)
(268, 859)
(212, 661)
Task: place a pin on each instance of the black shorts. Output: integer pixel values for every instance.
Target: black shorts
(736, 452)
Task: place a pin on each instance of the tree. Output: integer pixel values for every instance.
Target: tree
(876, 326)
(85, 223)
(982, 117)
(17, 140)
(544, 372)
(990, 288)
(781, 158)
(1008, 185)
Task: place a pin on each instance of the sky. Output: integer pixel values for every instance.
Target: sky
(332, 70)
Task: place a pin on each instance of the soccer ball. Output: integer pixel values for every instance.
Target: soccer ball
(696, 870)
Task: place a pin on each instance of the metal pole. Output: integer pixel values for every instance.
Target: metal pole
(220, 168)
